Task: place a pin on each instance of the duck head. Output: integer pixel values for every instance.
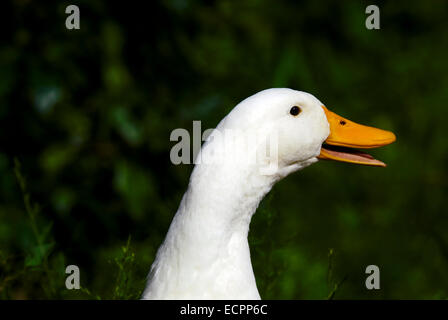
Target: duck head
(305, 129)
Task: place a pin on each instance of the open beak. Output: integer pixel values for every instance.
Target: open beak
(346, 134)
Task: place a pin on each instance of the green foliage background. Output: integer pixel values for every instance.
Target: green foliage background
(87, 115)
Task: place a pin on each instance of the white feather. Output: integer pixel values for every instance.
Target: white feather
(206, 254)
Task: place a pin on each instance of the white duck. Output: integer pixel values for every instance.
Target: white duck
(206, 254)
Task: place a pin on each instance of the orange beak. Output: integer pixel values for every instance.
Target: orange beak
(346, 134)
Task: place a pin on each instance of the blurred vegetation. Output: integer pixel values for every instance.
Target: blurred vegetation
(87, 115)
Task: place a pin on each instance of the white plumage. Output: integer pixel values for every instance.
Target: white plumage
(205, 254)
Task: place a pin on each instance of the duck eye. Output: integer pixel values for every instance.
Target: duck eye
(295, 111)
(342, 123)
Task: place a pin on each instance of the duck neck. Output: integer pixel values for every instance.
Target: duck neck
(205, 254)
(221, 201)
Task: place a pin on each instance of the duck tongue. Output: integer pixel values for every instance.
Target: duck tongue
(352, 155)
